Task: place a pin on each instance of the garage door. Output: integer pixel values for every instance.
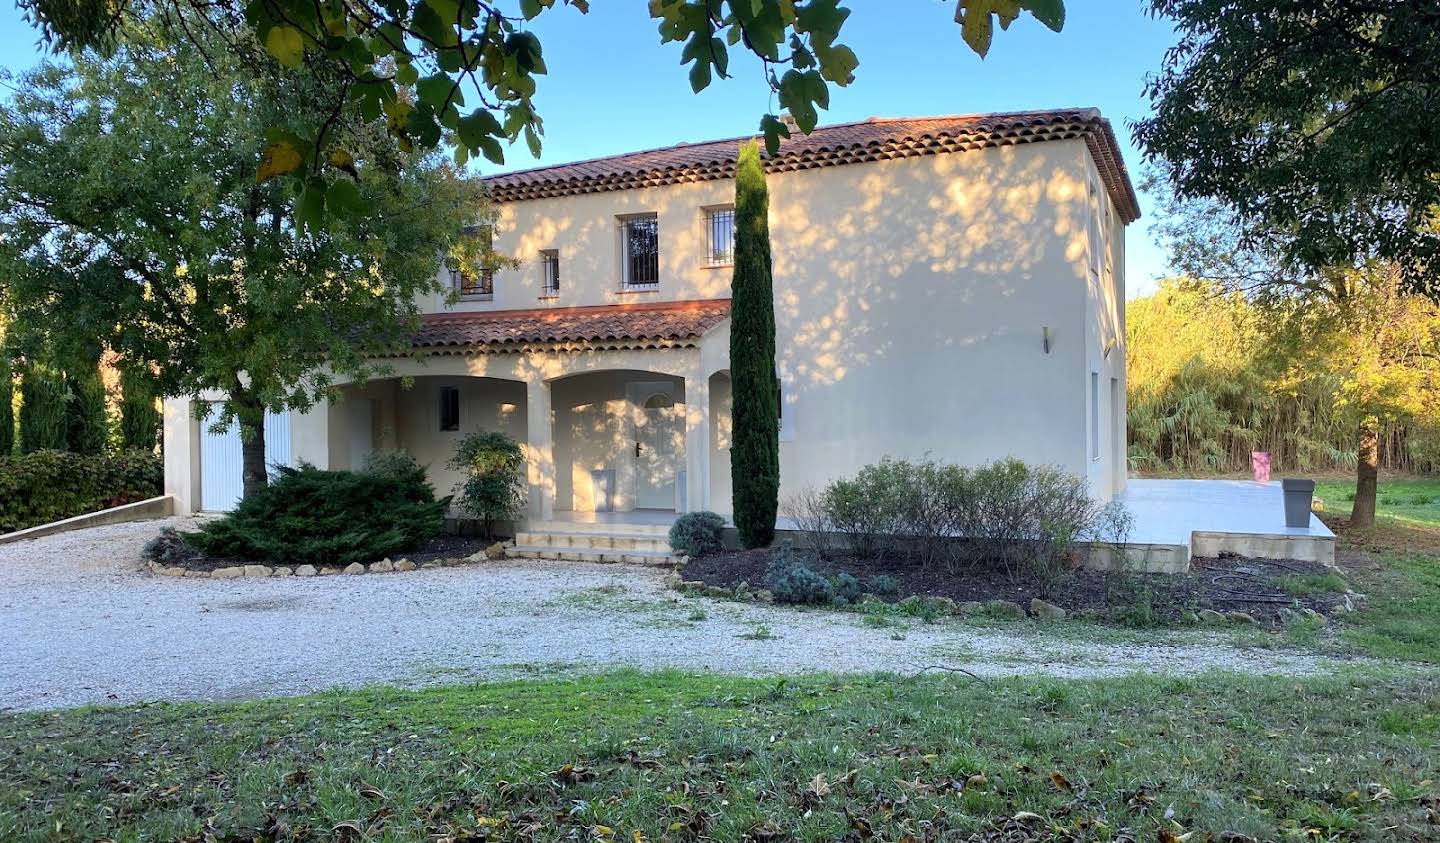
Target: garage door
(220, 460)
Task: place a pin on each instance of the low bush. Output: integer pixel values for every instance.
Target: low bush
(1029, 520)
(315, 517)
(44, 486)
(807, 510)
(697, 533)
(494, 485)
(846, 588)
(792, 581)
(168, 548)
(883, 585)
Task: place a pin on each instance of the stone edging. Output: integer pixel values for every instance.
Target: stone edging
(384, 566)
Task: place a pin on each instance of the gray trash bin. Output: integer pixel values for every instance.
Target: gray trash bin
(1298, 497)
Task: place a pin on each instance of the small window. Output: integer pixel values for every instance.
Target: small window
(1094, 415)
(720, 222)
(549, 273)
(449, 408)
(640, 252)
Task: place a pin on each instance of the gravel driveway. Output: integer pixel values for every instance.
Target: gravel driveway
(81, 622)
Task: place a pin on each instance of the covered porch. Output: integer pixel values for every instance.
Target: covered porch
(631, 423)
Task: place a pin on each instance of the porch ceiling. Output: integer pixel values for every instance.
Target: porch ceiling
(652, 324)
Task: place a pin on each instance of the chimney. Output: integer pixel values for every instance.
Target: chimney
(789, 121)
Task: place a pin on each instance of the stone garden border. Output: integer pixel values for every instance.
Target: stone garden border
(384, 566)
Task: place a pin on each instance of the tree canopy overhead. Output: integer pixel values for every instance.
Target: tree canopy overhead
(131, 215)
(464, 73)
(1314, 123)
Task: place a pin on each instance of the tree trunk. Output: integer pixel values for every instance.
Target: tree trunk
(254, 474)
(1367, 469)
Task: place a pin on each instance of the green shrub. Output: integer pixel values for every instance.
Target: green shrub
(42, 411)
(494, 485)
(845, 588)
(139, 416)
(316, 517)
(168, 548)
(86, 429)
(697, 533)
(44, 486)
(883, 585)
(397, 464)
(791, 581)
(7, 409)
(1027, 520)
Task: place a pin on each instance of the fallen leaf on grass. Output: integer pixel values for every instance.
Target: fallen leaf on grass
(1060, 782)
(370, 791)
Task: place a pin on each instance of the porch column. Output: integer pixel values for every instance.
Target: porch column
(697, 442)
(540, 449)
(182, 455)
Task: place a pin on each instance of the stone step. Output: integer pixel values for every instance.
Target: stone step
(592, 541)
(609, 528)
(603, 555)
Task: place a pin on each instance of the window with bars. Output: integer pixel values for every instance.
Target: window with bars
(469, 285)
(640, 251)
(721, 225)
(549, 273)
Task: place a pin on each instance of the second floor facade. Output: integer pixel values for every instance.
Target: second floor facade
(962, 209)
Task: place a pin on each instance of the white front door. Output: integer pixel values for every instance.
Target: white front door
(657, 432)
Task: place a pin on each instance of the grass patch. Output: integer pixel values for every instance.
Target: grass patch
(1407, 500)
(685, 757)
(1401, 617)
(1308, 585)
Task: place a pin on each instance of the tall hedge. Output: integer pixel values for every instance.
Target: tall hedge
(755, 412)
(7, 408)
(46, 486)
(42, 410)
(139, 419)
(86, 430)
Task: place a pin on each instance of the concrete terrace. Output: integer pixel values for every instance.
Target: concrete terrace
(1210, 517)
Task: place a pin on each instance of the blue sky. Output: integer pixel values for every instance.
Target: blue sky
(614, 88)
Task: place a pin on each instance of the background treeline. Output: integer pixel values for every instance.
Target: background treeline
(1209, 384)
(79, 430)
(82, 400)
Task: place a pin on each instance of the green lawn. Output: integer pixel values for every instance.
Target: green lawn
(680, 757)
(1407, 500)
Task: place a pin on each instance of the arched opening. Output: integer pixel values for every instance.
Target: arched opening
(619, 441)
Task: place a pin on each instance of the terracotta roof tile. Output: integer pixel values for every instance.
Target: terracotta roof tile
(848, 143)
(626, 325)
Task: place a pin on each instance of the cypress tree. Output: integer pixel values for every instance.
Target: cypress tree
(7, 408)
(86, 430)
(139, 420)
(42, 409)
(755, 412)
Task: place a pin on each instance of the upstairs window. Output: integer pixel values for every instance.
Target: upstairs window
(720, 222)
(640, 252)
(449, 408)
(472, 286)
(482, 286)
(549, 273)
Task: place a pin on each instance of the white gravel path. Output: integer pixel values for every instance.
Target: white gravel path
(81, 622)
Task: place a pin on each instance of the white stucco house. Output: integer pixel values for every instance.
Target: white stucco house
(944, 286)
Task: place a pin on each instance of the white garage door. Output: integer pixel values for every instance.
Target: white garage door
(220, 460)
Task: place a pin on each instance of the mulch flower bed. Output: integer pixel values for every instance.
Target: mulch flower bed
(1224, 585)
